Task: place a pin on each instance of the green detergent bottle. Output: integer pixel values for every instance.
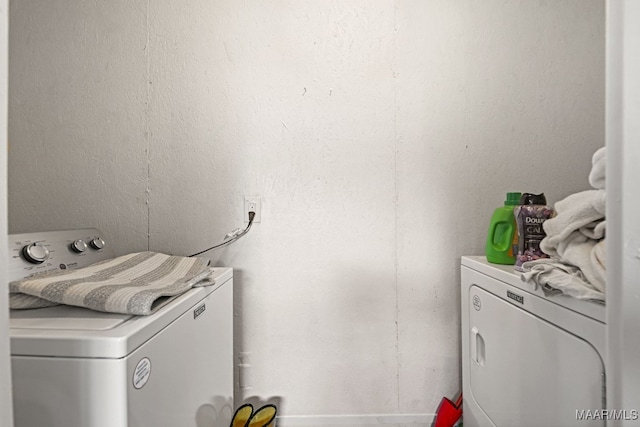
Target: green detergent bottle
(503, 233)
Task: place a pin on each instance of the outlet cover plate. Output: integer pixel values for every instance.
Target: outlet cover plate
(253, 204)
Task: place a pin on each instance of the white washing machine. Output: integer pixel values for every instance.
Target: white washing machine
(528, 359)
(73, 367)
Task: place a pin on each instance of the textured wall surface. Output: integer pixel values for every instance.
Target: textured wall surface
(6, 410)
(380, 136)
(623, 228)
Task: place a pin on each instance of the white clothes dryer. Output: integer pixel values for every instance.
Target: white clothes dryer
(528, 359)
(73, 367)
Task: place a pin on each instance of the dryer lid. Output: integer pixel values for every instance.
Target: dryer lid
(506, 274)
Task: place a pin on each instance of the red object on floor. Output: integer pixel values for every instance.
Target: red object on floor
(448, 412)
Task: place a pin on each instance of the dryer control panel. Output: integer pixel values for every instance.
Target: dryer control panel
(31, 253)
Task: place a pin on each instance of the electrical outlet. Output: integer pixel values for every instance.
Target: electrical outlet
(252, 204)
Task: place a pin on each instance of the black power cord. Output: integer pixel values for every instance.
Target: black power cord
(236, 237)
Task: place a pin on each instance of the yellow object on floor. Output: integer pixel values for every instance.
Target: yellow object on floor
(246, 417)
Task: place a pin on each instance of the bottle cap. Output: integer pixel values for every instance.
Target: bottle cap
(533, 199)
(513, 199)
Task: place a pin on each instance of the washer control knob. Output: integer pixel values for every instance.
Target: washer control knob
(35, 253)
(79, 246)
(97, 243)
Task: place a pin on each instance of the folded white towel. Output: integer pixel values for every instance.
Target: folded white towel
(556, 276)
(598, 170)
(577, 250)
(599, 260)
(582, 212)
(130, 284)
(575, 240)
(573, 234)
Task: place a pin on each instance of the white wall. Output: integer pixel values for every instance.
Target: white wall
(6, 409)
(380, 135)
(623, 228)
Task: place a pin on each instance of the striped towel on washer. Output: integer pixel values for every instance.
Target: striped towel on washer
(130, 284)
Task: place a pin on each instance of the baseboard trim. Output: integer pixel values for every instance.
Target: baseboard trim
(414, 420)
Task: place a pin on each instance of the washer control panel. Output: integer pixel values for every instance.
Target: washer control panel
(31, 253)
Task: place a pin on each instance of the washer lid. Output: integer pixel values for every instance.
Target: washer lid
(65, 331)
(66, 318)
